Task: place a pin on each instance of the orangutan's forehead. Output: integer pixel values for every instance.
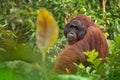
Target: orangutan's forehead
(75, 22)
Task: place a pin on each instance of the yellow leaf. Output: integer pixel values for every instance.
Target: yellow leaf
(47, 29)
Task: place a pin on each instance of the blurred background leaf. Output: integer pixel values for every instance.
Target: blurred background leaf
(47, 29)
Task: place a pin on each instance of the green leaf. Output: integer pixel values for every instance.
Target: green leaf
(1, 16)
(70, 77)
(29, 22)
(97, 62)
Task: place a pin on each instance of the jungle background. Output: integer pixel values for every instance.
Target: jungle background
(20, 59)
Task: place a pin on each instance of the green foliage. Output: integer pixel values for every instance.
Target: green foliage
(95, 70)
(20, 16)
(113, 66)
(19, 19)
(17, 70)
(92, 58)
(21, 60)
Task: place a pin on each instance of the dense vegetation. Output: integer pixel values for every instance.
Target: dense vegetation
(20, 59)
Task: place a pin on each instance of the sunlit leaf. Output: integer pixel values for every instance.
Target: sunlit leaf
(47, 29)
(92, 55)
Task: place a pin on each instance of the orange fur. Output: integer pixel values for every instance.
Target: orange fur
(93, 39)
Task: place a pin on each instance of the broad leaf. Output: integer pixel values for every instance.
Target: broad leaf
(47, 29)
